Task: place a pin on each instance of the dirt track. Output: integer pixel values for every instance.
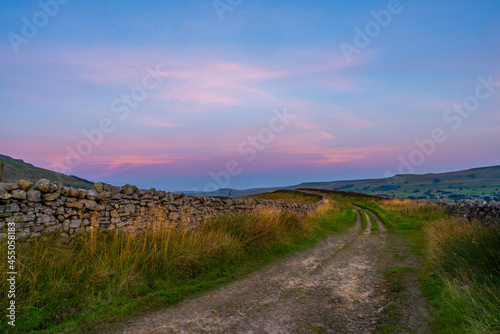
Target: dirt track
(338, 286)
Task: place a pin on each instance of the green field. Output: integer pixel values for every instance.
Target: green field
(469, 184)
(473, 183)
(289, 197)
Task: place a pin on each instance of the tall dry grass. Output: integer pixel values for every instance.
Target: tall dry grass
(467, 257)
(107, 275)
(408, 206)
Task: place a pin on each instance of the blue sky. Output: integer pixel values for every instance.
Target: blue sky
(218, 82)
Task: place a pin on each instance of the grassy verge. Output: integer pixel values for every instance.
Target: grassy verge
(289, 197)
(460, 274)
(375, 227)
(102, 278)
(467, 257)
(364, 221)
(461, 264)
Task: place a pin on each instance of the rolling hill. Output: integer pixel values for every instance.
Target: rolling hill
(15, 169)
(473, 183)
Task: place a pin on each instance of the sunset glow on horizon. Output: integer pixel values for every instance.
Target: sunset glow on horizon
(183, 96)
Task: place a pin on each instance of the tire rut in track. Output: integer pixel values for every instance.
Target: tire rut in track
(336, 286)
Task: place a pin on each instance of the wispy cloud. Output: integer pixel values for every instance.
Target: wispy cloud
(336, 155)
(163, 125)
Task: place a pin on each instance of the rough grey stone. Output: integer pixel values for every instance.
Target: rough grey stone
(25, 185)
(23, 235)
(82, 193)
(34, 196)
(73, 192)
(18, 194)
(64, 191)
(50, 197)
(127, 189)
(91, 205)
(103, 195)
(10, 186)
(92, 194)
(43, 185)
(12, 208)
(4, 194)
(77, 205)
(53, 187)
(75, 223)
(129, 208)
(98, 187)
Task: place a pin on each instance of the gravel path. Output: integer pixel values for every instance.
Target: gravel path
(338, 286)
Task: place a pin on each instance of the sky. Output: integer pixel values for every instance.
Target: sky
(200, 94)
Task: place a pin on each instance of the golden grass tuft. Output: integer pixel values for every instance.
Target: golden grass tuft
(408, 206)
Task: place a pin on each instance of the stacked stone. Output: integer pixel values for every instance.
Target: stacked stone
(487, 213)
(47, 208)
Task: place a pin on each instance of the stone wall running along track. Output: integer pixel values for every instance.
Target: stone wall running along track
(47, 208)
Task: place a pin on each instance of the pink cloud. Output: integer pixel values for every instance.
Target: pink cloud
(315, 130)
(163, 125)
(495, 130)
(201, 80)
(189, 84)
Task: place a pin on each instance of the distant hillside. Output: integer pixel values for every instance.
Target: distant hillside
(473, 183)
(15, 169)
(224, 193)
(478, 182)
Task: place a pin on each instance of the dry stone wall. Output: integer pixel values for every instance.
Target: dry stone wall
(487, 213)
(47, 208)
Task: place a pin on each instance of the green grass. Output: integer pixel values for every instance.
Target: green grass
(98, 279)
(107, 278)
(397, 276)
(15, 169)
(317, 329)
(460, 274)
(469, 182)
(460, 271)
(375, 227)
(364, 221)
(467, 257)
(400, 270)
(289, 197)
